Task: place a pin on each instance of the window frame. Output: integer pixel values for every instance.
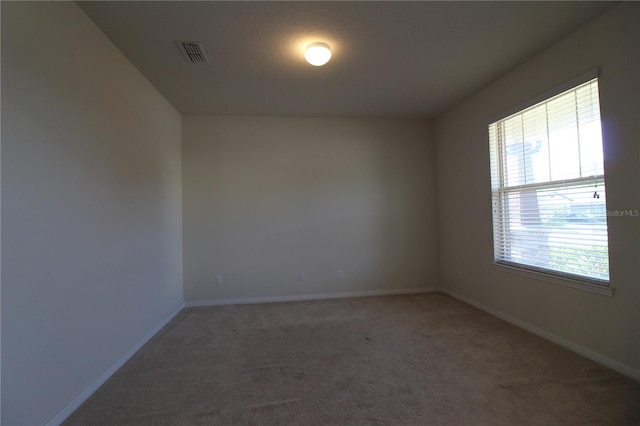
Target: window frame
(594, 285)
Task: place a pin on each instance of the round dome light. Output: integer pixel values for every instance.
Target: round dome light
(317, 54)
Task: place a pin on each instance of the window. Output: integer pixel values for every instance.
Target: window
(548, 187)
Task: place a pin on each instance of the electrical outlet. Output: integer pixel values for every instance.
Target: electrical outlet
(301, 276)
(218, 279)
(340, 275)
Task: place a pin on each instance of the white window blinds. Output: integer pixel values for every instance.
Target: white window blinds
(548, 189)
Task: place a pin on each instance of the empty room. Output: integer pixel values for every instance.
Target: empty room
(320, 213)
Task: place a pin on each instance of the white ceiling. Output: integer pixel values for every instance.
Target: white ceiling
(391, 59)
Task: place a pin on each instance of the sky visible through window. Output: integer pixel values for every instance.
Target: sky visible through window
(557, 140)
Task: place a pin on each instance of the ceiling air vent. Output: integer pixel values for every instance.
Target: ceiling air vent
(193, 51)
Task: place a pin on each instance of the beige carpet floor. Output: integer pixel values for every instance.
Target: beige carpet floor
(395, 360)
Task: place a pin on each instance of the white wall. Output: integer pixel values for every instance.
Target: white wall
(266, 198)
(606, 326)
(91, 198)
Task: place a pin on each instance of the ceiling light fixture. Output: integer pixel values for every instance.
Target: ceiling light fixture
(317, 54)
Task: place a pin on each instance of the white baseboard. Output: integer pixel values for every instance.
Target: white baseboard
(580, 350)
(310, 297)
(85, 394)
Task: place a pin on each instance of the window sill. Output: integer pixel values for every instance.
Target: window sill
(584, 285)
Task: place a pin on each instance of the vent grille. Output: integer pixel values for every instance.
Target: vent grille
(193, 52)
